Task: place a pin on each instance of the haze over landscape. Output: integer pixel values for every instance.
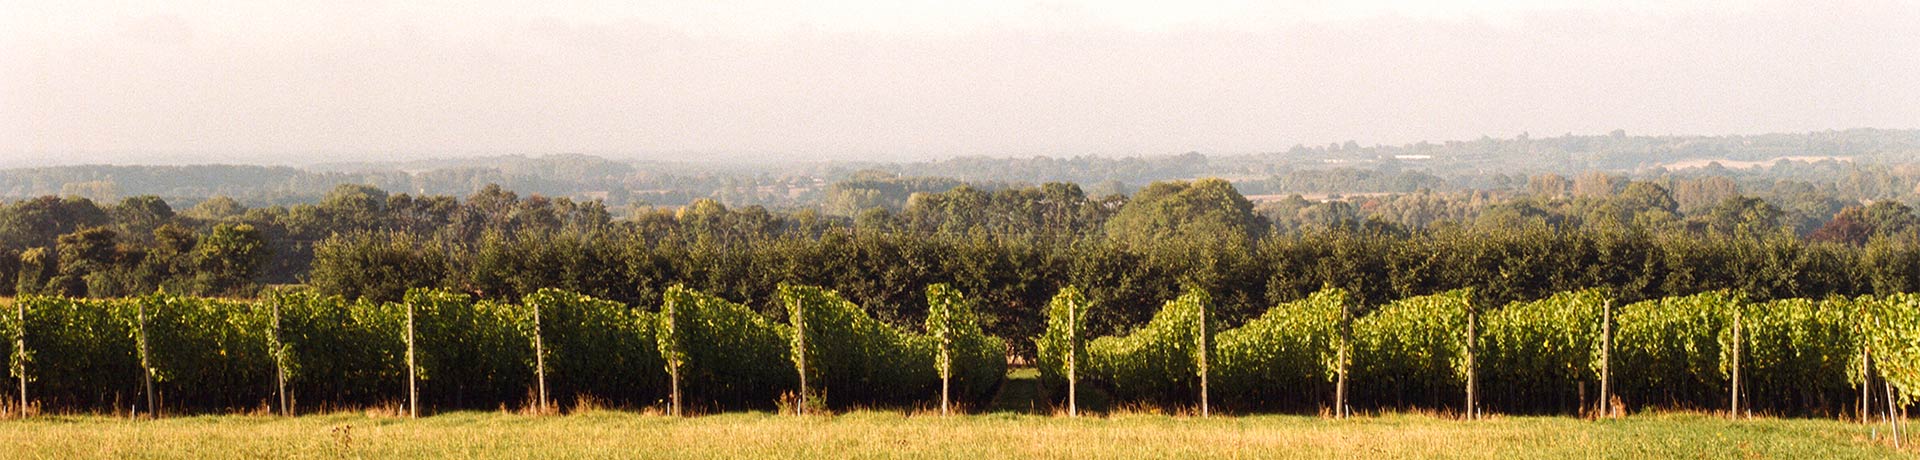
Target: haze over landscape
(761, 81)
(1090, 229)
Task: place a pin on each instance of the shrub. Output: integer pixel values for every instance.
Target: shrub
(1158, 362)
(853, 358)
(1535, 356)
(1893, 331)
(597, 348)
(728, 355)
(1051, 346)
(81, 353)
(1284, 359)
(1412, 352)
(207, 354)
(470, 354)
(975, 361)
(1668, 351)
(338, 352)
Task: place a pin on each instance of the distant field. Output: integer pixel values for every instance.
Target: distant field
(895, 435)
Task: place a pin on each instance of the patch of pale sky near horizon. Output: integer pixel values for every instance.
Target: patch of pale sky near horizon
(278, 81)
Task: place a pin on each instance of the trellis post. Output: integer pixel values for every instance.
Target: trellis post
(1606, 359)
(539, 358)
(20, 352)
(1073, 377)
(279, 362)
(413, 389)
(1734, 403)
(146, 364)
(1203, 359)
(800, 352)
(1471, 382)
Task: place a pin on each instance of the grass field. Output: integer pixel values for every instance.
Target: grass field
(895, 435)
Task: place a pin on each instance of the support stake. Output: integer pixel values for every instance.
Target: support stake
(1606, 359)
(539, 359)
(1073, 330)
(413, 390)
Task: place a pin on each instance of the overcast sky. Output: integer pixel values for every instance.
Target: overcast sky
(276, 82)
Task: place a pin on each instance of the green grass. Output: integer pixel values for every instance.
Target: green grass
(896, 435)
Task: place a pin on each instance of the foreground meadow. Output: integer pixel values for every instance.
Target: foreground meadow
(607, 434)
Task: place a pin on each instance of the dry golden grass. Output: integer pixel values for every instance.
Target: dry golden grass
(589, 433)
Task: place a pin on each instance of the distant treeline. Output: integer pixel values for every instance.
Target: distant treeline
(1851, 165)
(1010, 248)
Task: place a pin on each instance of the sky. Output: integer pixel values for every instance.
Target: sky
(293, 82)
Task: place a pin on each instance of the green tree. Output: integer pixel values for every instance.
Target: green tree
(1204, 211)
(228, 259)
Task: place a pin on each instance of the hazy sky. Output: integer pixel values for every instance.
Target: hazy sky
(276, 81)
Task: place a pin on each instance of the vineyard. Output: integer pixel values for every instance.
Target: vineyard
(292, 351)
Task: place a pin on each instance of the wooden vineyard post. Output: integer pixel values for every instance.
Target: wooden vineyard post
(1073, 377)
(1734, 404)
(413, 389)
(1606, 359)
(1893, 423)
(674, 353)
(1866, 359)
(800, 353)
(1471, 410)
(1346, 342)
(20, 350)
(539, 359)
(279, 362)
(946, 371)
(1203, 359)
(146, 364)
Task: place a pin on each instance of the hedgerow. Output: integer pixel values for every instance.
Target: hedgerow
(80, 352)
(976, 362)
(1668, 351)
(470, 354)
(1796, 355)
(1535, 356)
(1892, 330)
(852, 358)
(207, 354)
(1158, 362)
(1285, 359)
(1412, 352)
(1066, 325)
(728, 356)
(339, 352)
(596, 348)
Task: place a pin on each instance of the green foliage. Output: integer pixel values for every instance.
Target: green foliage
(975, 361)
(1667, 352)
(1207, 211)
(1893, 333)
(339, 352)
(1535, 355)
(1285, 359)
(854, 359)
(80, 352)
(596, 348)
(728, 356)
(1412, 352)
(1066, 325)
(227, 260)
(207, 353)
(1158, 362)
(380, 267)
(1796, 355)
(470, 354)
